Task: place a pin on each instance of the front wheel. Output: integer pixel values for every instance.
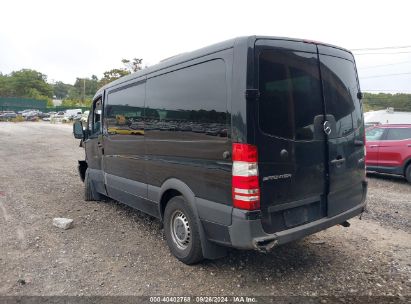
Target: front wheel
(182, 231)
(408, 173)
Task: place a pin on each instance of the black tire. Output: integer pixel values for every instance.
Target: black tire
(90, 194)
(408, 173)
(187, 248)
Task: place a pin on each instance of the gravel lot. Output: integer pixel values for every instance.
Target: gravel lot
(114, 250)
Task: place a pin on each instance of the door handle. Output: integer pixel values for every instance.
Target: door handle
(358, 143)
(338, 161)
(226, 154)
(409, 145)
(374, 146)
(99, 144)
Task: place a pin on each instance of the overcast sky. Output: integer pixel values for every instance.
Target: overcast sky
(68, 39)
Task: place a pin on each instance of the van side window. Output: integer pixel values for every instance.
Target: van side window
(90, 121)
(399, 134)
(191, 99)
(290, 94)
(95, 118)
(125, 111)
(340, 93)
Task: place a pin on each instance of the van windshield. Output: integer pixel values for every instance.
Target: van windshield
(290, 93)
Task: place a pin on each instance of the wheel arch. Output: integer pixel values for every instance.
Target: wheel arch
(174, 187)
(407, 163)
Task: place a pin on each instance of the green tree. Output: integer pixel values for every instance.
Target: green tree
(112, 75)
(5, 86)
(76, 102)
(86, 86)
(380, 101)
(82, 90)
(61, 89)
(130, 66)
(133, 65)
(26, 83)
(23, 81)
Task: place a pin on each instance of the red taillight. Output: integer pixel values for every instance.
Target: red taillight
(245, 152)
(245, 185)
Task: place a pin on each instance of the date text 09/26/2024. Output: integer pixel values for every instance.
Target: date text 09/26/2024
(203, 299)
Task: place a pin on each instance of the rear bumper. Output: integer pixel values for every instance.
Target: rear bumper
(249, 234)
(243, 229)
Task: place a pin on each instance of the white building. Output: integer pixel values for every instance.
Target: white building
(388, 116)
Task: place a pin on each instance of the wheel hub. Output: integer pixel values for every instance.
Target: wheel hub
(180, 229)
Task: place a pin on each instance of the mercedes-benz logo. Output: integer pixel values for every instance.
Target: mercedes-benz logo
(327, 127)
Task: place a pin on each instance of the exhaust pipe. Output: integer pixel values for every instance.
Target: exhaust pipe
(266, 245)
(345, 224)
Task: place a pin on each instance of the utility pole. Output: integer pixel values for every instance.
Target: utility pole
(84, 90)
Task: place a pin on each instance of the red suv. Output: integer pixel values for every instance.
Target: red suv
(389, 149)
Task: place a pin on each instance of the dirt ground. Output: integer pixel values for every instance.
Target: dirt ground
(114, 250)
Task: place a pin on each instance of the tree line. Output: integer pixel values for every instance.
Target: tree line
(380, 101)
(28, 83)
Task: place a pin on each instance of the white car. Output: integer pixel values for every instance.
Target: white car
(30, 113)
(84, 116)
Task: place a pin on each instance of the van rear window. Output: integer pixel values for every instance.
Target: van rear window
(290, 93)
(340, 93)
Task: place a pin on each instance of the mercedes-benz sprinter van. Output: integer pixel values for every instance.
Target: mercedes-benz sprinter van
(249, 143)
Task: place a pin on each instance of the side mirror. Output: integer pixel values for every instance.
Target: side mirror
(78, 130)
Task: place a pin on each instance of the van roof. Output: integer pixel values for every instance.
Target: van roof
(181, 58)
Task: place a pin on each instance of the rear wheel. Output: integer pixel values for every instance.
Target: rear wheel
(408, 173)
(90, 194)
(182, 231)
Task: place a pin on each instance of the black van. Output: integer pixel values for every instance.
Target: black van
(249, 143)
